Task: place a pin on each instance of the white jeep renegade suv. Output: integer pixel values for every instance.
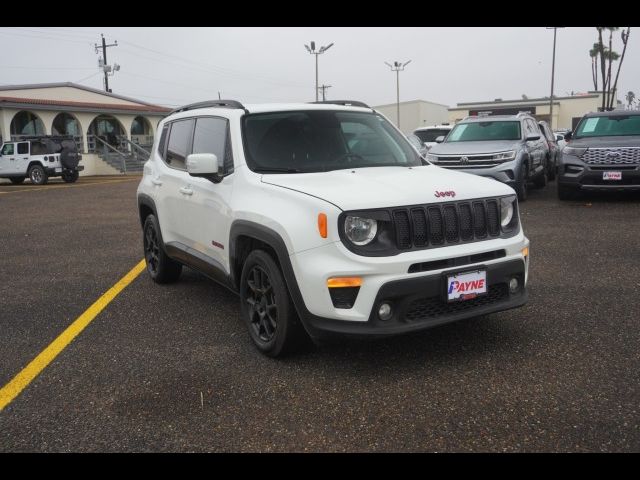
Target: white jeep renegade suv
(324, 219)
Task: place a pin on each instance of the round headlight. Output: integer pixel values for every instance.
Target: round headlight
(360, 231)
(506, 212)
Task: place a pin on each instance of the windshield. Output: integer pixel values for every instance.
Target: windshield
(615, 125)
(431, 134)
(485, 131)
(322, 140)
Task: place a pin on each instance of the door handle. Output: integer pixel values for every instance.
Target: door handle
(156, 182)
(186, 190)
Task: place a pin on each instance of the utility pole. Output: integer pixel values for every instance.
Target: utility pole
(105, 66)
(553, 69)
(324, 89)
(397, 67)
(312, 50)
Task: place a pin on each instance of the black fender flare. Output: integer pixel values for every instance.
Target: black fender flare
(275, 241)
(147, 201)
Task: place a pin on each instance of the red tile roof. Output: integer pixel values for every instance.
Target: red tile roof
(97, 106)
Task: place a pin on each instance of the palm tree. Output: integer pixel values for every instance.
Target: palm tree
(630, 96)
(593, 53)
(625, 40)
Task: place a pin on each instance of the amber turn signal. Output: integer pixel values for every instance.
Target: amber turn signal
(341, 282)
(525, 251)
(322, 224)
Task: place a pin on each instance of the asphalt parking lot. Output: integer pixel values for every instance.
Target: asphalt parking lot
(171, 368)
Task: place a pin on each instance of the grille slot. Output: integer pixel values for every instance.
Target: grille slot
(436, 228)
(420, 237)
(403, 230)
(493, 217)
(466, 222)
(449, 223)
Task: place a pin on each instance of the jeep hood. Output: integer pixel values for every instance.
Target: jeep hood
(383, 187)
(470, 148)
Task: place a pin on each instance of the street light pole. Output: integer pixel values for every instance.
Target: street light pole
(397, 67)
(553, 68)
(312, 50)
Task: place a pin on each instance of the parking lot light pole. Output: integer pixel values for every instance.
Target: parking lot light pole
(553, 68)
(397, 67)
(312, 50)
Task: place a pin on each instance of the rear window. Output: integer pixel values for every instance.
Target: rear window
(431, 134)
(613, 126)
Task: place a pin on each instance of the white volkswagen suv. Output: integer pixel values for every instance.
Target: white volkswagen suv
(325, 220)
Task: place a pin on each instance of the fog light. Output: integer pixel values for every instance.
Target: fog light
(384, 312)
(513, 285)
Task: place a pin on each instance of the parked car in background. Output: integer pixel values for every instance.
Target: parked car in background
(603, 154)
(554, 151)
(39, 158)
(559, 134)
(508, 148)
(428, 135)
(417, 143)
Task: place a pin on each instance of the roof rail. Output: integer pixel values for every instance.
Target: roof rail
(346, 103)
(211, 104)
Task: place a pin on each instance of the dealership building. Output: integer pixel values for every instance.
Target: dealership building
(113, 132)
(567, 111)
(414, 114)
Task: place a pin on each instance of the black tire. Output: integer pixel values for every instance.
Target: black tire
(267, 309)
(17, 180)
(541, 180)
(567, 193)
(160, 267)
(37, 175)
(69, 157)
(521, 184)
(70, 176)
(553, 169)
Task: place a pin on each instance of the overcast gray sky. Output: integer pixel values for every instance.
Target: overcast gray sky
(174, 66)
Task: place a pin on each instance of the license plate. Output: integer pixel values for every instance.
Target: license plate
(467, 285)
(612, 175)
(58, 170)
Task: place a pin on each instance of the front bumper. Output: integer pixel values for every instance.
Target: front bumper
(388, 278)
(580, 176)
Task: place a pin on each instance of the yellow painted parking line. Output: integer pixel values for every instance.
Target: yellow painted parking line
(57, 187)
(12, 389)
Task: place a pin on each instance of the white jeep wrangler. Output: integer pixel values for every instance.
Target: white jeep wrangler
(39, 158)
(325, 220)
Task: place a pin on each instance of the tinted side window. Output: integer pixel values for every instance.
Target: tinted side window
(23, 148)
(179, 143)
(211, 136)
(163, 141)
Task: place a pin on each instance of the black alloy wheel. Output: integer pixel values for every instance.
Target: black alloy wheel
(151, 249)
(263, 310)
(160, 267)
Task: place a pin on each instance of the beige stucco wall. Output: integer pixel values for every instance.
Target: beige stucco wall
(94, 165)
(414, 114)
(65, 93)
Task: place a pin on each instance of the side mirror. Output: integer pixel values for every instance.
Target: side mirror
(531, 138)
(568, 135)
(440, 139)
(204, 165)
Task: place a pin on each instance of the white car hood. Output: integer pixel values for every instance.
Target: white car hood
(383, 187)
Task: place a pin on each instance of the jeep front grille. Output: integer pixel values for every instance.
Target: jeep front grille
(446, 224)
(612, 156)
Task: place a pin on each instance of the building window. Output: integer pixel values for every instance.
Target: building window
(26, 123)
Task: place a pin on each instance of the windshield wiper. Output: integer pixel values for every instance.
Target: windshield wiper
(276, 170)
